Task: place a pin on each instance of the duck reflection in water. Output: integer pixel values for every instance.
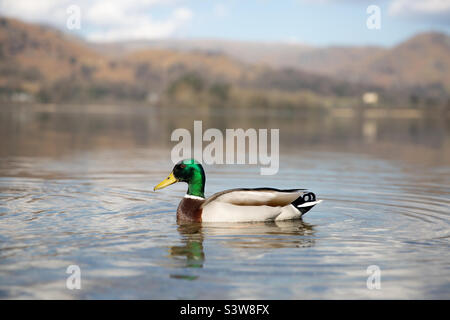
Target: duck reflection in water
(261, 235)
(191, 249)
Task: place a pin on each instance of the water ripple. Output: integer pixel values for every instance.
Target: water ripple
(99, 212)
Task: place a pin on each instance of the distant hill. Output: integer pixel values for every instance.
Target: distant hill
(54, 66)
(421, 61)
(34, 56)
(281, 55)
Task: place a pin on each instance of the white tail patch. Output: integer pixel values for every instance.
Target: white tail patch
(309, 204)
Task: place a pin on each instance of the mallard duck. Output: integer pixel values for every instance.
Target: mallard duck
(234, 205)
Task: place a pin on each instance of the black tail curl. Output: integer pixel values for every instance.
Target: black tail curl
(305, 198)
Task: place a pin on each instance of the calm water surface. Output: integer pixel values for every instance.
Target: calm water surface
(93, 206)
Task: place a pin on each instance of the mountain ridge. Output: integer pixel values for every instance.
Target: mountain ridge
(53, 65)
(351, 63)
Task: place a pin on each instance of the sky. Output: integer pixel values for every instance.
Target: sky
(310, 22)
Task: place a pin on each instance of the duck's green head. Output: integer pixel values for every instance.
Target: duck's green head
(189, 171)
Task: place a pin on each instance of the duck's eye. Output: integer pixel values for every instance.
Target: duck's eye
(182, 166)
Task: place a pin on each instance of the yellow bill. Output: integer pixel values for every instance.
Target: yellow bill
(166, 182)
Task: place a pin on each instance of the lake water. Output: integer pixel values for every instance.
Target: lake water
(76, 189)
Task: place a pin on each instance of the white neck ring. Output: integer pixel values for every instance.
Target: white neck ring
(193, 197)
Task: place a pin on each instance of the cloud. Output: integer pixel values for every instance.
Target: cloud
(144, 28)
(420, 8)
(30, 10)
(105, 20)
(437, 11)
(122, 25)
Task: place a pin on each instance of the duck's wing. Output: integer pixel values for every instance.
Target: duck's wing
(256, 197)
(261, 204)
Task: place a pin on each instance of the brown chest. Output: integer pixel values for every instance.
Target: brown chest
(190, 210)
